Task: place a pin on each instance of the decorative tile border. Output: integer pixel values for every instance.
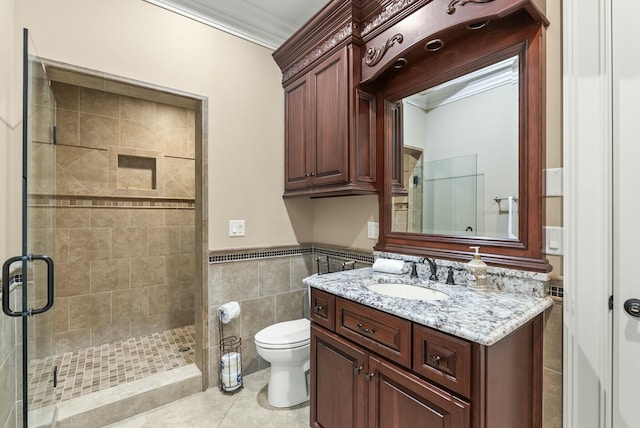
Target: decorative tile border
(345, 253)
(556, 291)
(15, 279)
(264, 253)
(108, 202)
(507, 279)
(15, 276)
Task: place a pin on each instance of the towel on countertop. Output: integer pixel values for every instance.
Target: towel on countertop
(388, 266)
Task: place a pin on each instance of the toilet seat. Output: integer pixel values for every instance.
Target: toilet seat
(284, 335)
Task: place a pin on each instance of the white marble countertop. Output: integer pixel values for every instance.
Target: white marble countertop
(483, 317)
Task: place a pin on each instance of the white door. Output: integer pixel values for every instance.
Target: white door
(626, 214)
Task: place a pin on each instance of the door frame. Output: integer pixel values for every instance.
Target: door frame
(588, 199)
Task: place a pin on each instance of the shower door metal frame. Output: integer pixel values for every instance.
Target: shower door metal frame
(27, 257)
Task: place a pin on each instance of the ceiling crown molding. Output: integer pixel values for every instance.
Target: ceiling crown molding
(239, 18)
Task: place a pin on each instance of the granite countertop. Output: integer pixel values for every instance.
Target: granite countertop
(483, 317)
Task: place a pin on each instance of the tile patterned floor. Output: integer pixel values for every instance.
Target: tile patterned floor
(100, 367)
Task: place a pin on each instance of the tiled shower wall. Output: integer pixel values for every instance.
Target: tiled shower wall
(124, 253)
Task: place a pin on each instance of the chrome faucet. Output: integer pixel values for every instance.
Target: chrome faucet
(434, 269)
(414, 271)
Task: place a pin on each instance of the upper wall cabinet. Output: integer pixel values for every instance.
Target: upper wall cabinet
(438, 105)
(330, 142)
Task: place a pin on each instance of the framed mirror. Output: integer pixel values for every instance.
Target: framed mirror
(464, 146)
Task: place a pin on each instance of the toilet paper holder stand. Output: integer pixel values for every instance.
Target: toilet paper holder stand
(230, 372)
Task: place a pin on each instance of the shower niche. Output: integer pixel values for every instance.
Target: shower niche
(136, 172)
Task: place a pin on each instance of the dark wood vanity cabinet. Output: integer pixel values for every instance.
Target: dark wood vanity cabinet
(361, 377)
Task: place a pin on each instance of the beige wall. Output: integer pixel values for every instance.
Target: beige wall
(242, 82)
(245, 114)
(554, 116)
(343, 221)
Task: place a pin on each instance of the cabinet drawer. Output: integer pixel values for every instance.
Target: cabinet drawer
(382, 333)
(322, 308)
(442, 358)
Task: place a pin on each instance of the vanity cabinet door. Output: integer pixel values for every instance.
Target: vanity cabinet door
(400, 399)
(338, 386)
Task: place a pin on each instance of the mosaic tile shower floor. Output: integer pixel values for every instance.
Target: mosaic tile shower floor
(101, 367)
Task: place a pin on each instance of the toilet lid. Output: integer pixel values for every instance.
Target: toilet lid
(288, 334)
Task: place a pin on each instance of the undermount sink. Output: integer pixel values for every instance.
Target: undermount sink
(408, 291)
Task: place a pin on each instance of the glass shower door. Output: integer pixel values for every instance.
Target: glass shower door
(28, 279)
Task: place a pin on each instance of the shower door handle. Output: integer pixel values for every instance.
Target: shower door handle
(6, 307)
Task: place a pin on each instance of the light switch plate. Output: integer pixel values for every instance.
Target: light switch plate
(373, 229)
(236, 227)
(553, 182)
(553, 240)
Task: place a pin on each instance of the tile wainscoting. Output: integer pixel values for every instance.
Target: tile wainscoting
(267, 282)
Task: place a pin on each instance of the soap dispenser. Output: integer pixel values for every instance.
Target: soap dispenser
(477, 271)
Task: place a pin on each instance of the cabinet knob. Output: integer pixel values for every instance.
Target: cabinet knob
(357, 369)
(317, 309)
(369, 376)
(435, 360)
(313, 174)
(364, 329)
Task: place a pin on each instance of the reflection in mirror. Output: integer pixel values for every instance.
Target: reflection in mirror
(460, 156)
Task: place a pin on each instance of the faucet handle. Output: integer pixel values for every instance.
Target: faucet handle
(450, 276)
(434, 269)
(414, 270)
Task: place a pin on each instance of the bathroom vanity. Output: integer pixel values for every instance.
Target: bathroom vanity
(472, 359)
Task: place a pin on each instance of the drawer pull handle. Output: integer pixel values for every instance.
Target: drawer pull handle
(435, 360)
(318, 309)
(357, 369)
(369, 376)
(364, 329)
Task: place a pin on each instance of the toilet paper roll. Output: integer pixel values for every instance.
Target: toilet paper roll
(229, 311)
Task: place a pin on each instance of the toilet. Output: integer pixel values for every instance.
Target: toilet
(286, 346)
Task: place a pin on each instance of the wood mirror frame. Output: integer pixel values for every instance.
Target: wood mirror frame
(511, 28)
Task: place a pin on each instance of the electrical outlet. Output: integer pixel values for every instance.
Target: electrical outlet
(373, 229)
(236, 227)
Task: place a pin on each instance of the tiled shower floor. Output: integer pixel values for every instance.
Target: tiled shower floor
(101, 367)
